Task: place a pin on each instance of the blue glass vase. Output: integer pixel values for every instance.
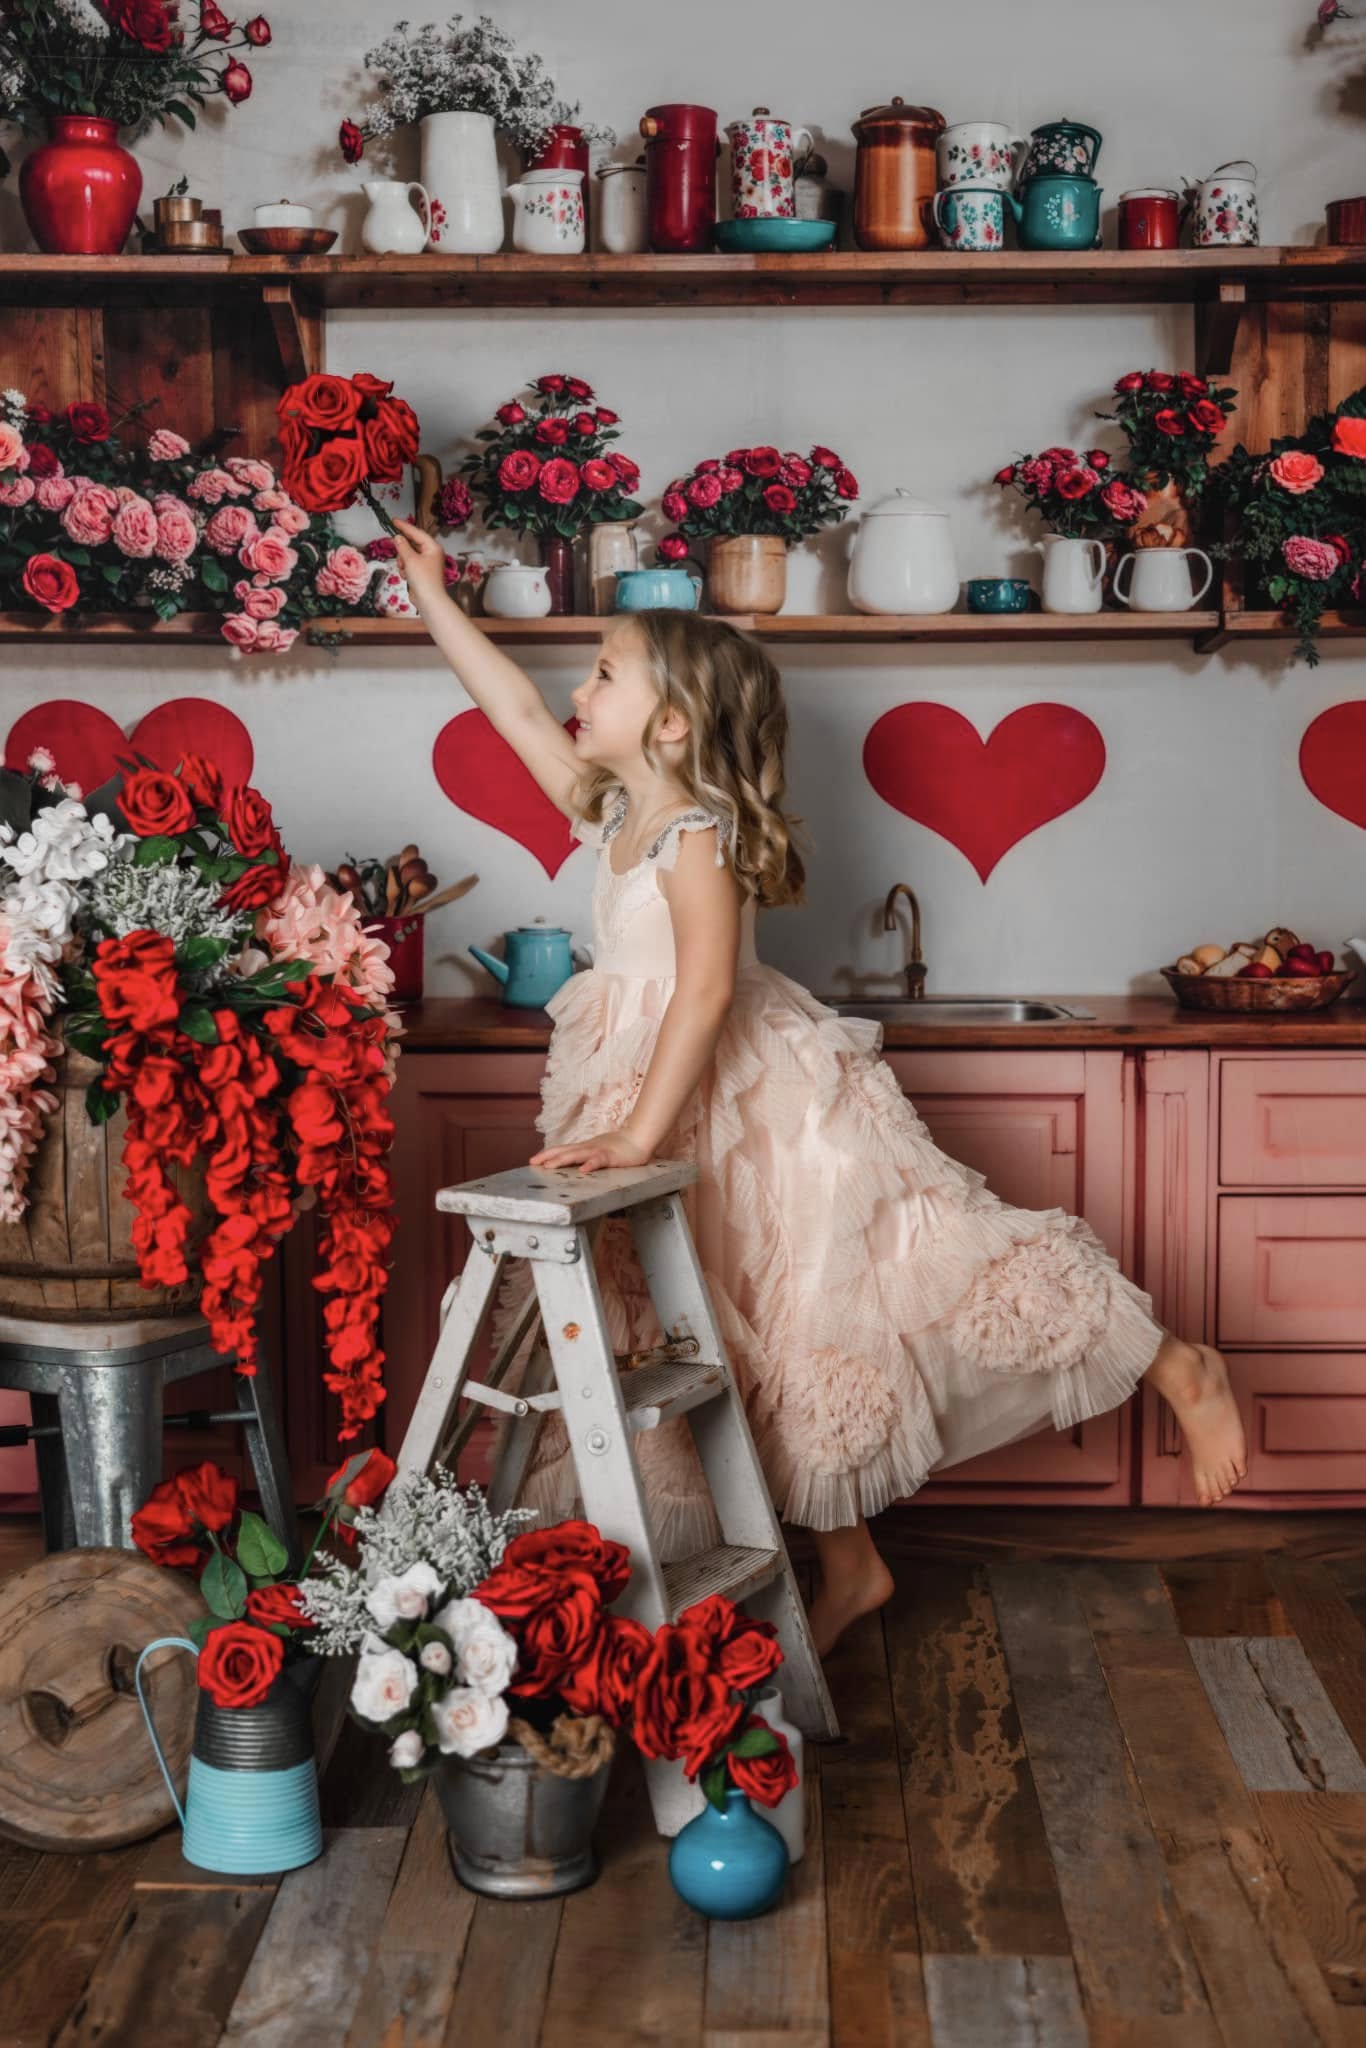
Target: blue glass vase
(731, 1865)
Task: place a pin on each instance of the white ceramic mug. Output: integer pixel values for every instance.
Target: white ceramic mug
(514, 592)
(1160, 579)
(1070, 584)
(979, 153)
(283, 213)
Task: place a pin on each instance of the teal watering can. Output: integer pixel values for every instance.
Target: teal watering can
(251, 1800)
(538, 959)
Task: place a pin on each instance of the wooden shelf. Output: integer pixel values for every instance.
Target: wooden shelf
(835, 628)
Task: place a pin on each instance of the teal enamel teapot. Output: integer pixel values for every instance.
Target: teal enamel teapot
(1057, 210)
(538, 958)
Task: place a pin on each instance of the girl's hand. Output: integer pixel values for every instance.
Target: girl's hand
(422, 560)
(612, 1148)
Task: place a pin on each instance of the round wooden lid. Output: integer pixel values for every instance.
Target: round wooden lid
(77, 1770)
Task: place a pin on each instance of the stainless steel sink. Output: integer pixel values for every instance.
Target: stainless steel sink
(964, 1010)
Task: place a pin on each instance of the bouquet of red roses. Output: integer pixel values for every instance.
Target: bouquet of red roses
(549, 466)
(1171, 419)
(1075, 494)
(340, 435)
(757, 490)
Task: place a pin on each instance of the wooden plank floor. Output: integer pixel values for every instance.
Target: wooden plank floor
(1102, 1781)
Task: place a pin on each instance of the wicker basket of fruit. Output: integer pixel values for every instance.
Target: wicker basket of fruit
(1279, 972)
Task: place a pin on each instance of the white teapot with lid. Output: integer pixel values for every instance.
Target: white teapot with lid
(903, 559)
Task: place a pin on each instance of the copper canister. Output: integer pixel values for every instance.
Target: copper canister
(896, 176)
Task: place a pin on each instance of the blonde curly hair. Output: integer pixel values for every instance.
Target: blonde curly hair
(733, 764)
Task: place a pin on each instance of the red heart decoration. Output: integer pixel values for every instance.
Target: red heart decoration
(929, 762)
(87, 745)
(485, 777)
(1333, 760)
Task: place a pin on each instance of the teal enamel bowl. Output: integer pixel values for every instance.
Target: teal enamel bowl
(998, 594)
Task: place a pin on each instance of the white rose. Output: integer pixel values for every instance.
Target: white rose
(405, 1598)
(467, 1721)
(385, 1682)
(405, 1751)
(487, 1658)
(434, 1657)
(458, 1617)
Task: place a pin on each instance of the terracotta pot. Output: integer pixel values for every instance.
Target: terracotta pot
(896, 176)
(747, 572)
(1165, 521)
(557, 559)
(80, 189)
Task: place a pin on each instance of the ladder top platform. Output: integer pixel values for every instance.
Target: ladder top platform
(563, 1196)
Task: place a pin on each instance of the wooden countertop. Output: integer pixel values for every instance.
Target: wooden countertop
(466, 1023)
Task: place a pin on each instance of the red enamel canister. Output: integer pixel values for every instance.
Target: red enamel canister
(1149, 219)
(681, 149)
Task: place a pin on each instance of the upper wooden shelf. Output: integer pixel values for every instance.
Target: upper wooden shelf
(839, 278)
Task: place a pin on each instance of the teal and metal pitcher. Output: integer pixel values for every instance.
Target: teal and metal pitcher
(251, 1799)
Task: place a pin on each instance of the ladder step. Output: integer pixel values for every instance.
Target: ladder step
(727, 1568)
(656, 1393)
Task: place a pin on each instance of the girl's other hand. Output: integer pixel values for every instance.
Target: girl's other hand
(590, 1155)
(422, 560)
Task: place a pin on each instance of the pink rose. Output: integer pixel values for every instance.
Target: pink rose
(89, 518)
(55, 493)
(260, 601)
(1315, 560)
(291, 518)
(165, 446)
(257, 476)
(674, 506)
(729, 478)
(1297, 471)
(272, 500)
(135, 529)
(229, 529)
(269, 554)
(1122, 501)
(704, 491)
(177, 534)
(17, 491)
(273, 638)
(240, 631)
(1036, 474)
(211, 486)
(13, 454)
(345, 574)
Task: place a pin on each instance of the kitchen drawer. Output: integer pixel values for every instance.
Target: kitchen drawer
(1292, 1269)
(1305, 1417)
(1293, 1122)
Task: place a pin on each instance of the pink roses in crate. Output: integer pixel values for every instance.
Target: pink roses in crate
(97, 524)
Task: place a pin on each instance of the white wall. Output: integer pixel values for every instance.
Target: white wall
(1201, 827)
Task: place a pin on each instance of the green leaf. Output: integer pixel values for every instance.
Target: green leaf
(156, 852)
(203, 951)
(260, 1552)
(714, 1786)
(212, 574)
(16, 800)
(196, 1021)
(100, 1103)
(181, 111)
(755, 1742)
(200, 1630)
(79, 558)
(224, 1586)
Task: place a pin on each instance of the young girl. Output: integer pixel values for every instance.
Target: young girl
(886, 1315)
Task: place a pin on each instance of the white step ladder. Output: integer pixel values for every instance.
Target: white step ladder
(552, 1218)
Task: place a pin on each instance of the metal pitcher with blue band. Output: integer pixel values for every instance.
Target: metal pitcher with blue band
(251, 1799)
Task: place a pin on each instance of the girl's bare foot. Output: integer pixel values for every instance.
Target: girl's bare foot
(854, 1581)
(1194, 1379)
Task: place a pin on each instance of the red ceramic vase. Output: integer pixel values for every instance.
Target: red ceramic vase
(80, 189)
(557, 559)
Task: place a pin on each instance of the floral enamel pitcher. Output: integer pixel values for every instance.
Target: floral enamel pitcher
(762, 153)
(1223, 207)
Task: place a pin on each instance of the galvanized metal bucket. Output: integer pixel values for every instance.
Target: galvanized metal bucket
(251, 1799)
(517, 1830)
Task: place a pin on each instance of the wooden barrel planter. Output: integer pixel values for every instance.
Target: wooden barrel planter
(70, 1259)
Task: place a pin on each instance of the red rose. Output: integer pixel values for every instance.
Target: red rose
(251, 828)
(600, 475)
(1349, 436)
(135, 980)
(1073, 483)
(257, 31)
(511, 414)
(1169, 422)
(330, 479)
(585, 424)
(1006, 475)
(795, 472)
(552, 433)
(576, 388)
(161, 1527)
(351, 141)
(254, 888)
(210, 1496)
(518, 470)
(42, 461)
(1159, 380)
(559, 1636)
(846, 484)
(51, 583)
(826, 458)
(391, 440)
(761, 462)
(673, 548)
(213, 22)
(1132, 382)
(153, 802)
(1189, 386)
(514, 1592)
(628, 471)
(673, 504)
(778, 498)
(704, 491)
(574, 1546)
(237, 83)
(767, 1778)
(605, 1683)
(324, 401)
(147, 22)
(202, 780)
(1097, 458)
(552, 386)
(683, 1708)
(558, 481)
(1205, 416)
(239, 1664)
(605, 418)
(281, 1604)
(88, 423)
(1339, 546)
(706, 468)
(365, 1488)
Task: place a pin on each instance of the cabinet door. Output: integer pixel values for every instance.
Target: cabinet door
(1293, 1121)
(1292, 1269)
(1305, 1417)
(1174, 1151)
(1047, 1130)
(457, 1116)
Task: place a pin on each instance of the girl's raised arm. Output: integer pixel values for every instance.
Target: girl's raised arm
(504, 693)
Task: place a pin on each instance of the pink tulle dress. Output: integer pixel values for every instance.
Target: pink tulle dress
(885, 1313)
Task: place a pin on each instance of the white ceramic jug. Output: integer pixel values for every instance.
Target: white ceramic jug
(1070, 583)
(1160, 579)
(390, 227)
(903, 560)
(549, 216)
(460, 172)
(514, 592)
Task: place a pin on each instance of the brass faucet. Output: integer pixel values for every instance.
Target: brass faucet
(915, 966)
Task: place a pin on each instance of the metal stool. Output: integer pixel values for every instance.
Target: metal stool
(96, 1390)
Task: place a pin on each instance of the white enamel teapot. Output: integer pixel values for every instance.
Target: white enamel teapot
(903, 559)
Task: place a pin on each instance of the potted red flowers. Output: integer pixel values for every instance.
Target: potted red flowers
(548, 468)
(1171, 420)
(340, 435)
(752, 506)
